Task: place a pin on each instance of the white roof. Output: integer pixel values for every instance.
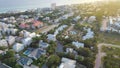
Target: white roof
(67, 63)
(3, 42)
(90, 34)
(32, 34)
(59, 29)
(78, 44)
(18, 47)
(51, 37)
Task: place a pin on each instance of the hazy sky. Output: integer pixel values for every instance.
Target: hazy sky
(40, 3)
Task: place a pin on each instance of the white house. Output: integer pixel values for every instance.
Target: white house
(32, 34)
(90, 34)
(27, 41)
(69, 50)
(3, 42)
(25, 33)
(78, 44)
(111, 20)
(43, 44)
(31, 66)
(92, 19)
(14, 31)
(67, 63)
(18, 47)
(11, 40)
(51, 37)
(77, 18)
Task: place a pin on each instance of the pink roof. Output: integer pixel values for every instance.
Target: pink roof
(37, 23)
(23, 25)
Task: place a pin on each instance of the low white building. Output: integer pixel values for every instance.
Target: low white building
(18, 47)
(90, 34)
(78, 44)
(27, 41)
(91, 19)
(69, 50)
(11, 40)
(67, 63)
(51, 37)
(3, 42)
(43, 44)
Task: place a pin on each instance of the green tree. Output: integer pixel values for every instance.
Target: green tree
(53, 61)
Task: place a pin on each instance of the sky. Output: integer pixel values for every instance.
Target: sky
(41, 3)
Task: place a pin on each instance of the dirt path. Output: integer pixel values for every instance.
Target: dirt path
(101, 54)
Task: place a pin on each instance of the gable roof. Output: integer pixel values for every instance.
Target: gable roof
(37, 23)
(23, 25)
(25, 61)
(37, 53)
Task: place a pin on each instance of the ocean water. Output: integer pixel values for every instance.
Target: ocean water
(12, 5)
(18, 8)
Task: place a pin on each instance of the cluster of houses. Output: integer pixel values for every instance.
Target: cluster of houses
(113, 24)
(53, 36)
(24, 22)
(19, 40)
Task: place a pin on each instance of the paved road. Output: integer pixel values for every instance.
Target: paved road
(70, 28)
(104, 24)
(59, 47)
(101, 54)
(46, 28)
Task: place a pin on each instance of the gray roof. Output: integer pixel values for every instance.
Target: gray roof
(25, 60)
(37, 53)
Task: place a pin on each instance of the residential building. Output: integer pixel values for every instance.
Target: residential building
(25, 61)
(37, 24)
(67, 63)
(91, 19)
(78, 44)
(27, 41)
(18, 47)
(4, 43)
(11, 40)
(90, 34)
(51, 37)
(31, 66)
(43, 44)
(36, 53)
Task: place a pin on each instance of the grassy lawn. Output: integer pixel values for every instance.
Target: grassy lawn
(111, 38)
(112, 58)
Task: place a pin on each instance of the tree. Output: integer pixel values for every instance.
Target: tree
(9, 54)
(10, 61)
(84, 52)
(51, 49)
(79, 58)
(35, 42)
(53, 61)
(17, 66)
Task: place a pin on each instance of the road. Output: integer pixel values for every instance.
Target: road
(46, 28)
(70, 28)
(59, 47)
(101, 54)
(104, 25)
